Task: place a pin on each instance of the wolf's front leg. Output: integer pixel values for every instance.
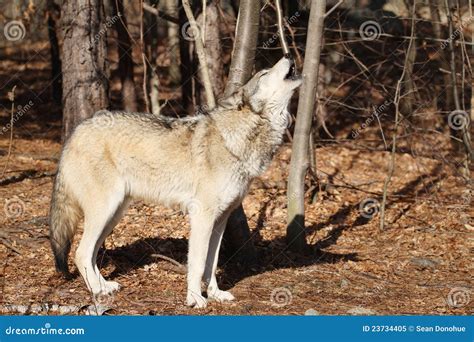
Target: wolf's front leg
(202, 223)
(213, 291)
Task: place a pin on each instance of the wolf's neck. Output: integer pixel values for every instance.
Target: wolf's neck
(251, 138)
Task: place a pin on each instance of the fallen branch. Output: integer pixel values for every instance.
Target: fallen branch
(28, 174)
(181, 268)
(8, 245)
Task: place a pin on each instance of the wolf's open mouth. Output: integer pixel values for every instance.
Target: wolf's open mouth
(292, 74)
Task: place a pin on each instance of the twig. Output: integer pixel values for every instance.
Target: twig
(160, 14)
(281, 31)
(201, 53)
(8, 245)
(12, 99)
(396, 101)
(333, 8)
(181, 268)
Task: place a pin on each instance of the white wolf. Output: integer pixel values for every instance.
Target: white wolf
(204, 163)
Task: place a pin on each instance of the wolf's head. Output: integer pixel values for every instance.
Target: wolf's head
(269, 91)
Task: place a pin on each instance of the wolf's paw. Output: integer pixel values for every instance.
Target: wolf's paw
(221, 296)
(107, 288)
(196, 300)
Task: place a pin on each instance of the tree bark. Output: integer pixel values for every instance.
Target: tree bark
(237, 234)
(246, 37)
(212, 44)
(171, 8)
(296, 238)
(125, 64)
(85, 72)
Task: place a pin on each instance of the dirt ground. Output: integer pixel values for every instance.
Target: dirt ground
(421, 263)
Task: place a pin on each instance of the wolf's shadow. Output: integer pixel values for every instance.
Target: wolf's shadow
(272, 255)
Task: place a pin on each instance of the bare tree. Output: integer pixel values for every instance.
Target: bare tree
(237, 233)
(85, 74)
(296, 238)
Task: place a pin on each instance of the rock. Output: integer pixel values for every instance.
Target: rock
(424, 263)
(344, 283)
(311, 312)
(360, 311)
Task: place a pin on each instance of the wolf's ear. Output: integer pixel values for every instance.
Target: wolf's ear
(233, 101)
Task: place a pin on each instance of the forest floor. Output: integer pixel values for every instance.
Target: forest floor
(421, 263)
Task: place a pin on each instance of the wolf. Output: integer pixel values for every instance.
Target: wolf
(204, 164)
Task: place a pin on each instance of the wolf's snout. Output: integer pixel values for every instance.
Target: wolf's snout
(292, 74)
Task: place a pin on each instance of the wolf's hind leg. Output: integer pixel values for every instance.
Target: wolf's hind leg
(122, 209)
(96, 219)
(213, 290)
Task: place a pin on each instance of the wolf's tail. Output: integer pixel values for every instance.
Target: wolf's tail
(64, 215)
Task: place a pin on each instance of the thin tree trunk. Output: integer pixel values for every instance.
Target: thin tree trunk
(151, 44)
(212, 44)
(465, 132)
(174, 72)
(202, 55)
(53, 15)
(237, 234)
(125, 64)
(437, 28)
(246, 36)
(406, 103)
(186, 66)
(299, 164)
(85, 72)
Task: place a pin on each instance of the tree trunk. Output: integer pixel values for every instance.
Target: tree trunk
(246, 37)
(237, 234)
(85, 74)
(171, 8)
(212, 44)
(53, 15)
(296, 238)
(125, 64)
(186, 66)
